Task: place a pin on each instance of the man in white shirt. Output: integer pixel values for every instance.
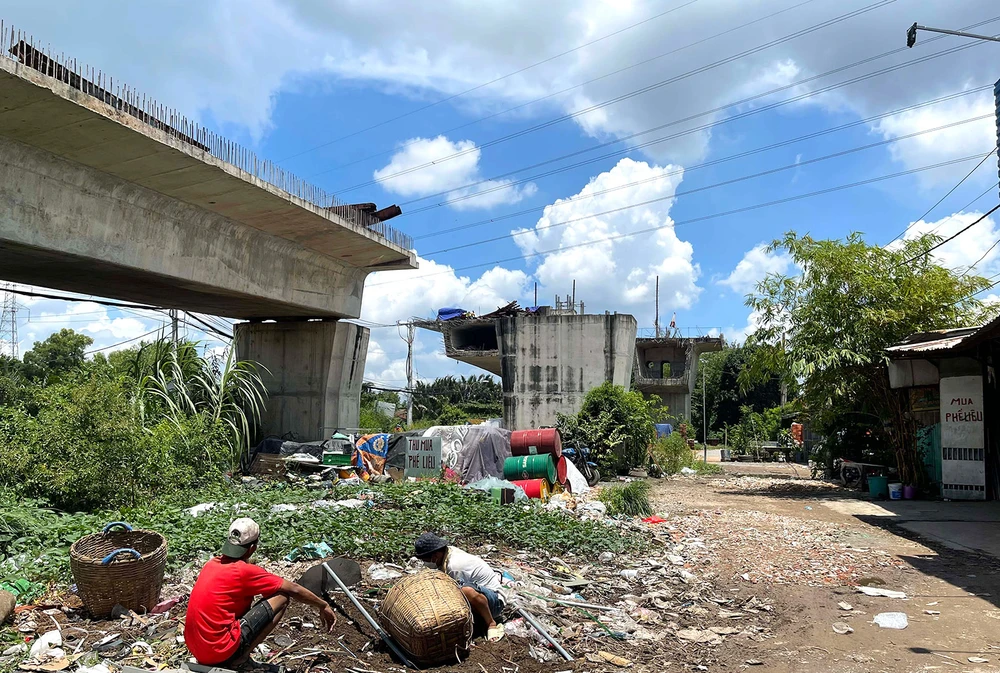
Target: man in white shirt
(480, 583)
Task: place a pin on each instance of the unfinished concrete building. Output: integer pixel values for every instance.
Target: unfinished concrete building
(547, 359)
(667, 367)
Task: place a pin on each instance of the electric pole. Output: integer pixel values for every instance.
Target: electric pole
(173, 326)
(704, 414)
(8, 320)
(410, 329)
(656, 320)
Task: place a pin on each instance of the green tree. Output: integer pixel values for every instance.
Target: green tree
(829, 326)
(725, 397)
(61, 353)
(617, 425)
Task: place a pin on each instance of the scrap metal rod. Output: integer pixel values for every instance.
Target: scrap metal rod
(375, 625)
(545, 634)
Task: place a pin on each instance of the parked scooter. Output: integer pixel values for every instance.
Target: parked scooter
(580, 457)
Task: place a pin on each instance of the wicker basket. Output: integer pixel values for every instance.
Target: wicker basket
(119, 567)
(429, 617)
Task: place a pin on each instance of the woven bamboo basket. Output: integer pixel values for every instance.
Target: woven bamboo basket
(429, 617)
(118, 567)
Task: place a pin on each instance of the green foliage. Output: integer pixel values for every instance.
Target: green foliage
(725, 397)
(669, 454)
(385, 531)
(617, 425)
(473, 396)
(630, 499)
(829, 326)
(372, 420)
(60, 354)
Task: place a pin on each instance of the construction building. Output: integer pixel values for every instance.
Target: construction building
(667, 366)
(547, 358)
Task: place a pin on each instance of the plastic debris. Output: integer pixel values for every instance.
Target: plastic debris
(620, 662)
(198, 510)
(687, 471)
(310, 550)
(842, 628)
(606, 557)
(654, 519)
(845, 606)
(883, 593)
(47, 646)
(284, 507)
(699, 636)
(932, 612)
(96, 668)
(380, 572)
(892, 620)
(20, 648)
(164, 606)
(978, 660)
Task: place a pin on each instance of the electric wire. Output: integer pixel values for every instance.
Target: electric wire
(953, 236)
(566, 90)
(492, 81)
(126, 341)
(798, 197)
(626, 96)
(677, 193)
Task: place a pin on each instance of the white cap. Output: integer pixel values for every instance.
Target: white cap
(242, 534)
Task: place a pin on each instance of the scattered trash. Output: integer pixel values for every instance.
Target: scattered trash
(310, 550)
(699, 636)
(884, 593)
(96, 668)
(20, 648)
(687, 471)
(606, 557)
(654, 519)
(164, 606)
(630, 573)
(283, 507)
(842, 628)
(614, 659)
(754, 662)
(809, 508)
(932, 612)
(892, 620)
(109, 642)
(47, 646)
(380, 572)
(283, 641)
(198, 510)
(845, 606)
(978, 660)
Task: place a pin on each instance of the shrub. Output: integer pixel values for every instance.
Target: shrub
(669, 454)
(631, 499)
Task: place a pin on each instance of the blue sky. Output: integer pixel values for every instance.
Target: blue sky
(291, 79)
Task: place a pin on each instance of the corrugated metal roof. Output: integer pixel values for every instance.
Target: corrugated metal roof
(939, 340)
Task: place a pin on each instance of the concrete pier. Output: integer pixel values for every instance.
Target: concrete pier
(668, 368)
(313, 376)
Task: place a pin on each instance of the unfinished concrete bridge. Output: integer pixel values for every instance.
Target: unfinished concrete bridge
(104, 192)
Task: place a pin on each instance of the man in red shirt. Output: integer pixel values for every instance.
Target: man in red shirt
(221, 626)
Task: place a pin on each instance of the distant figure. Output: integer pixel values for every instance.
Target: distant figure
(221, 627)
(480, 583)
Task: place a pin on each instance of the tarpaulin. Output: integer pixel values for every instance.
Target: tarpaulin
(450, 313)
(370, 453)
(473, 451)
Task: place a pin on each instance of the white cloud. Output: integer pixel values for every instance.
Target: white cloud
(974, 246)
(957, 141)
(423, 179)
(617, 274)
(755, 265)
(228, 61)
(392, 296)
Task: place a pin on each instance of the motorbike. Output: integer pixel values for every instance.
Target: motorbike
(580, 457)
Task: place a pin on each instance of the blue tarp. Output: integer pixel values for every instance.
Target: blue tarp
(449, 313)
(663, 430)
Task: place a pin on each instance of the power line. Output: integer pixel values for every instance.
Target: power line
(988, 251)
(702, 218)
(127, 341)
(825, 24)
(704, 127)
(703, 188)
(571, 88)
(950, 192)
(953, 236)
(102, 302)
(493, 81)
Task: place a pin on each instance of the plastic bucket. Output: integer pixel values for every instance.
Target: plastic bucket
(895, 491)
(909, 492)
(878, 487)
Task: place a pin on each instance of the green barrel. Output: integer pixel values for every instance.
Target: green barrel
(538, 466)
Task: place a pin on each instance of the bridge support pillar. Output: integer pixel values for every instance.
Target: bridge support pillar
(314, 374)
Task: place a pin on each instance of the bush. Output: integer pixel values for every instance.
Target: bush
(631, 499)
(669, 454)
(617, 425)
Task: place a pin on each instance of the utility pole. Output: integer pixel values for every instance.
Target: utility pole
(784, 380)
(173, 326)
(8, 320)
(573, 303)
(656, 320)
(536, 295)
(409, 373)
(704, 413)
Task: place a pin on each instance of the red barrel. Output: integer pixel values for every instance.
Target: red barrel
(534, 488)
(528, 442)
(561, 470)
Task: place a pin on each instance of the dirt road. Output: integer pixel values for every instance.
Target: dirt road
(805, 547)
